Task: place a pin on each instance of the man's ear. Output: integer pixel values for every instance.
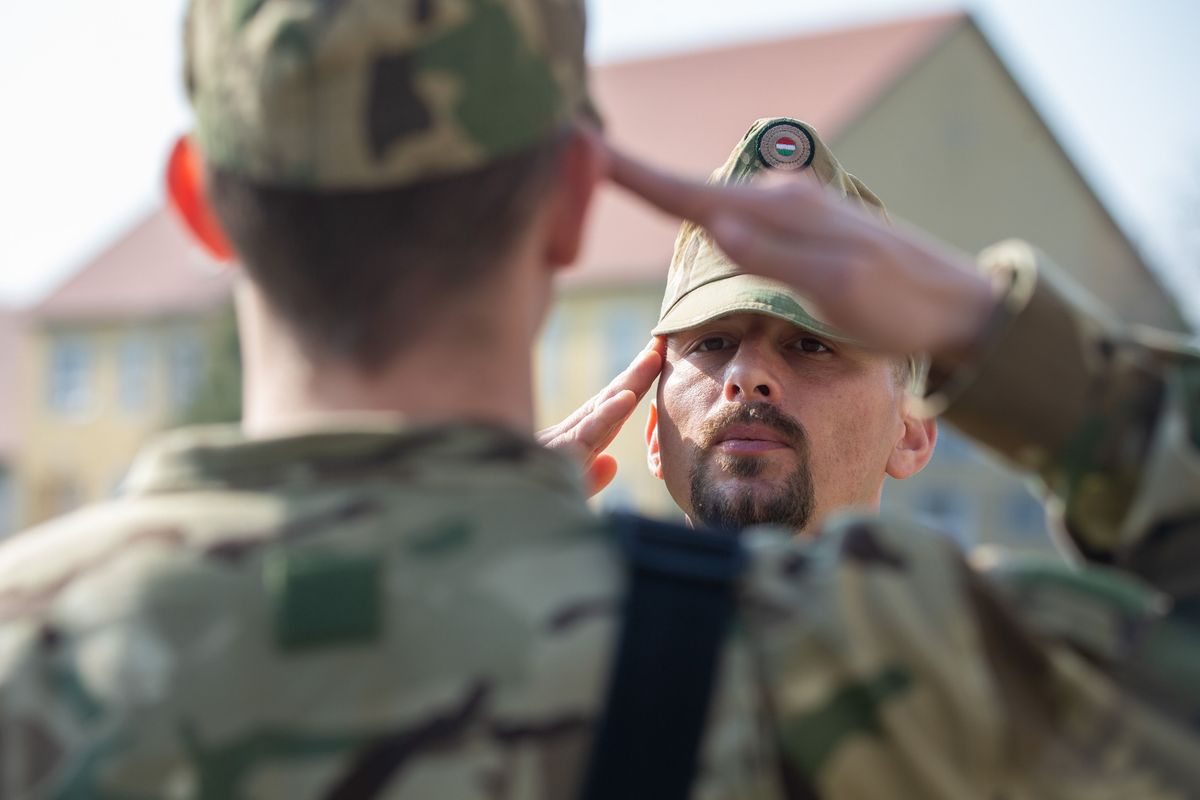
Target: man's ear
(582, 167)
(914, 449)
(185, 188)
(653, 453)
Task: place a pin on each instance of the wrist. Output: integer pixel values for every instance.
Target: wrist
(979, 311)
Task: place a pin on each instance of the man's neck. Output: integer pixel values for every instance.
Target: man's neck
(458, 371)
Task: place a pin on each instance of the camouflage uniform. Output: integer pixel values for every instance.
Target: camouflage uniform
(1106, 414)
(280, 618)
(1064, 391)
(428, 612)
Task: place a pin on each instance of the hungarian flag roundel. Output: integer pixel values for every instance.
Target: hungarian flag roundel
(785, 145)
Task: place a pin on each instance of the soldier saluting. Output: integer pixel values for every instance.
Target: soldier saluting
(380, 586)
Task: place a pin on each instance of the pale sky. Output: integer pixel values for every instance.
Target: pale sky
(91, 103)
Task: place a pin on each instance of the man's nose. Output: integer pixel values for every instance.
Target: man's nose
(752, 376)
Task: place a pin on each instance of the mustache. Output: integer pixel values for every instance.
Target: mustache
(756, 414)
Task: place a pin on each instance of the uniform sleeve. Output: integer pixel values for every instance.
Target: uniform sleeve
(1107, 415)
(890, 669)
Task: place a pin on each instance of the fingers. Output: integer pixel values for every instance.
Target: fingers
(636, 378)
(659, 345)
(674, 196)
(778, 200)
(678, 197)
(872, 280)
(641, 372)
(593, 425)
(810, 266)
(597, 431)
(612, 408)
(600, 473)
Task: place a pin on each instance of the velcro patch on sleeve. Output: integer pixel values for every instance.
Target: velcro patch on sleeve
(324, 599)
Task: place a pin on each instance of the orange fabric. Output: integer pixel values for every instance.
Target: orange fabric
(185, 185)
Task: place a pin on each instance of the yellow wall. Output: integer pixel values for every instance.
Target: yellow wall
(78, 457)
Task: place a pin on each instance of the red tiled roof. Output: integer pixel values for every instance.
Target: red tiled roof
(686, 111)
(11, 355)
(153, 270)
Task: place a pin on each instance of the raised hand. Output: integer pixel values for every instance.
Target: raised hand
(593, 426)
(891, 287)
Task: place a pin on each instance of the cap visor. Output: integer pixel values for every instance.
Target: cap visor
(743, 294)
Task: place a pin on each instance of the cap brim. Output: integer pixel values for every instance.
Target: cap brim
(743, 294)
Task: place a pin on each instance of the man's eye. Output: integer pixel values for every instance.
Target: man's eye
(811, 345)
(711, 344)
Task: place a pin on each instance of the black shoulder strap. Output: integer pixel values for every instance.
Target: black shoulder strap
(677, 612)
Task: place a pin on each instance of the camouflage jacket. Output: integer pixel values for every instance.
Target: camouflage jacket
(1107, 415)
(281, 618)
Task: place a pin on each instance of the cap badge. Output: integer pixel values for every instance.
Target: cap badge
(785, 146)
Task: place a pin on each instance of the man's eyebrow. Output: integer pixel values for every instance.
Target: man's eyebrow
(699, 330)
(676, 342)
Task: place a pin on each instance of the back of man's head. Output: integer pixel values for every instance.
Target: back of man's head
(368, 159)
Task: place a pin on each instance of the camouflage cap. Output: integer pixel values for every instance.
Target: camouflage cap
(703, 284)
(360, 94)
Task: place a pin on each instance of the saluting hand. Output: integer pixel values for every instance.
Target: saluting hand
(594, 425)
(890, 287)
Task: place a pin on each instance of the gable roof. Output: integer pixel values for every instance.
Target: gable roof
(153, 270)
(660, 108)
(684, 112)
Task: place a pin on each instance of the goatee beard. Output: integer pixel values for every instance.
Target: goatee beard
(790, 505)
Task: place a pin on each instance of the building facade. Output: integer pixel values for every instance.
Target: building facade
(113, 356)
(12, 352)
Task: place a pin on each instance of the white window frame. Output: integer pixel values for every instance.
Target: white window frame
(135, 372)
(71, 374)
(186, 361)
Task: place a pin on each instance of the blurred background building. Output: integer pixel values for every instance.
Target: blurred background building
(12, 354)
(922, 109)
(113, 355)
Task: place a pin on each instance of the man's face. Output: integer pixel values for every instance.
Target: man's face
(759, 421)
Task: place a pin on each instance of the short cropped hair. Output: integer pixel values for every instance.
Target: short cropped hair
(356, 274)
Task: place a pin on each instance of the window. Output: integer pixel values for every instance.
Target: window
(135, 362)
(186, 367)
(71, 359)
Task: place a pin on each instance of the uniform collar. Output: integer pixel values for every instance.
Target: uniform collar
(222, 457)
